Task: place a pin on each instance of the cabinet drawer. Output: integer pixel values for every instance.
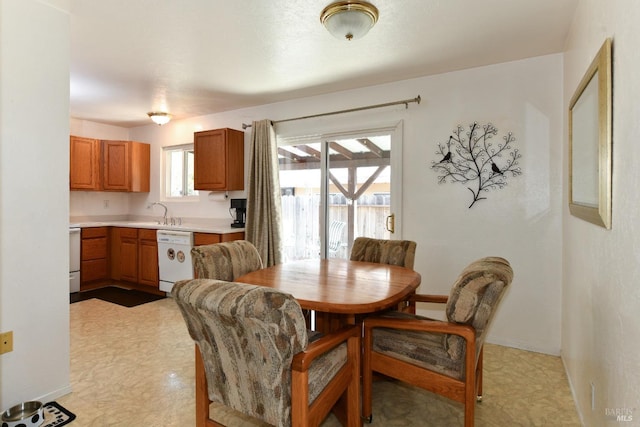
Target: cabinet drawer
(88, 233)
(94, 248)
(229, 237)
(147, 234)
(131, 233)
(200, 239)
(93, 270)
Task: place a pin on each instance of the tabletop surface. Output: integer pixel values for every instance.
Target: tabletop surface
(337, 285)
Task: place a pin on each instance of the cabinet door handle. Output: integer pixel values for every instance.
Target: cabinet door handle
(391, 223)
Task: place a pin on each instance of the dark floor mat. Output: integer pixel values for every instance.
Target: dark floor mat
(116, 295)
(55, 415)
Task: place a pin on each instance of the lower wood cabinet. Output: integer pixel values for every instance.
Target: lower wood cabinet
(134, 255)
(147, 258)
(94, 261)
(128, 243)
(129, 254)
(200, 239)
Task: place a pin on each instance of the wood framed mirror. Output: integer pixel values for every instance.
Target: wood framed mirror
(590, 142)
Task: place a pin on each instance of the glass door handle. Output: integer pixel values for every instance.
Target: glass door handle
(391, 223)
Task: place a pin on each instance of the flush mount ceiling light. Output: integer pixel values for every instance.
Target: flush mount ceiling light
(349, 19)
(159, 117)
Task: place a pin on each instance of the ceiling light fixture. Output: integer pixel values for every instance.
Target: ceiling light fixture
(349, 19)
(159, 117)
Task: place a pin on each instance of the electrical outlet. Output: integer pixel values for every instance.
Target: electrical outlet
(106, 203)
(6, 342)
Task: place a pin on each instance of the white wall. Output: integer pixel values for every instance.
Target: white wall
(601, 295)
(521, 222)
(209, 204)
(34, 199)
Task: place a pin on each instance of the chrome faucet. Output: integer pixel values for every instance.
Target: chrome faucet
(164, 222)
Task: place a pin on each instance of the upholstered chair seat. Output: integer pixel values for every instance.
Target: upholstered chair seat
(225, 261)
(253, 355)
(426, 349)
(444, 357)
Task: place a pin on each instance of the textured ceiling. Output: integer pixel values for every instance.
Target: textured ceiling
(196, 57)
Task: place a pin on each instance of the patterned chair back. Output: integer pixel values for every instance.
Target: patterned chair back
(247, 336)
(225, 261)
(474, 298)
(393, 252)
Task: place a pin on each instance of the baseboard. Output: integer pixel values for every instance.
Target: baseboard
(573, 391)
(439, 314)
(54, 394)
(523, 346)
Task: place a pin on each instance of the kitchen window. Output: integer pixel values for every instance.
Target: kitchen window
(178, 172)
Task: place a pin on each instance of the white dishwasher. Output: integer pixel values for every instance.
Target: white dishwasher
(174, 257)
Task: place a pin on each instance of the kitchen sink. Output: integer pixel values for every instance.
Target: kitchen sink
(155, 224)
(145, 223)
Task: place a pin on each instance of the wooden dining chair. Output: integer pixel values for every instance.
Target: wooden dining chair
(393, 252)
(225, 261)
(444, 357)
(253, 355)
(381, 251)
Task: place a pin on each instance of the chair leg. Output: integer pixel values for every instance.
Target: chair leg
(471, 383)
(353, 390)
(202, 395)
(367, 377)
(470, 403)
(469, 413)
(479, 376)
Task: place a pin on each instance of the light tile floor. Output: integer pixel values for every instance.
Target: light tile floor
(134, 367)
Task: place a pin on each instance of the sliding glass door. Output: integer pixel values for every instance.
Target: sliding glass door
(336, 188)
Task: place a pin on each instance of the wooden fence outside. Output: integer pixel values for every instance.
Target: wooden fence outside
(301, 223)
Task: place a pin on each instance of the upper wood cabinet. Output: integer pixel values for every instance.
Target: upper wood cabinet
(109, 165)
(125, 166)
(219, 160)
(84, 173)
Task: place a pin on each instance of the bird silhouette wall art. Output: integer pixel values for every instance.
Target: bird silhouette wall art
(473, 159)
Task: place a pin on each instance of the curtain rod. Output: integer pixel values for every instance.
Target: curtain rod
(406, 103)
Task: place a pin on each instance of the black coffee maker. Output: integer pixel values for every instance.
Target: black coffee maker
(240, 206)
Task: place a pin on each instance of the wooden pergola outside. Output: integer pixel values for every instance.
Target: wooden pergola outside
(343, 154)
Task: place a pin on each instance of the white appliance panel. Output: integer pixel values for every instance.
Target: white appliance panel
(74, 249)
(174, 257)
(74, 282)
(74, 260)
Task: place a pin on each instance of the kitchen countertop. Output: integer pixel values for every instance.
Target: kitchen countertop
(194, 227)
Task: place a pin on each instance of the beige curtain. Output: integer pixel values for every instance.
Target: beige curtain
(264, 204)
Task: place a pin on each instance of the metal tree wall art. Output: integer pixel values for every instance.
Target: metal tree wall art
(473, 159)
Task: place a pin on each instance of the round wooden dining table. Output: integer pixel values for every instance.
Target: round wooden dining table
(339, 291)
